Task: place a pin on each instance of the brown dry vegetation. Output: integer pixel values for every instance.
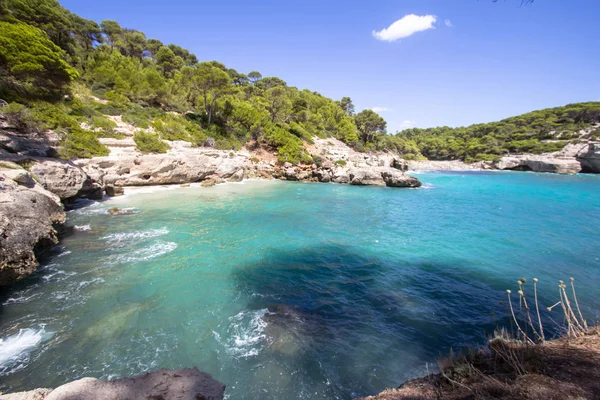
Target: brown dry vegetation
(565, 368)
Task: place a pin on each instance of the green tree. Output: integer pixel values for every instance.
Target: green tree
(167, 61)
(47, 15)
(210, 82)
(370, 125)
(279, 105)
(254, 77)
(347, 106)
(30, 64)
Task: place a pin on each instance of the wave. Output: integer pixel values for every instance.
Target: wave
(116, 238)
(246, 333)
(14, 350)
(157, 249)
(83, 227)
(20, 299)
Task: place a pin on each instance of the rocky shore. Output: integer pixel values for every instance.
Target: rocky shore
(182, 384)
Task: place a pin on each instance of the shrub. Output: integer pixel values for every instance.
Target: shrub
(79, 143)
(148, 142)
(54, 116)
(254, 160)
(340, 163)
(141, 117)
(318, 160)
(176, 127)
(20, 117)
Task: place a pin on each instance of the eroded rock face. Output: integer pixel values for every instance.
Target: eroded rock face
(183, 384)
(65, 179)
(539, 164)
(161, 169)
(590, 158)
(29, 218)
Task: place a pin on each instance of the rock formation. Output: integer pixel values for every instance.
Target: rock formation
(29, 219)
(183, 384)
(539, 164)
(590, 158)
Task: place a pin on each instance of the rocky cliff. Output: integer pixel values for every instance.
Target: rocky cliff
(30, 217)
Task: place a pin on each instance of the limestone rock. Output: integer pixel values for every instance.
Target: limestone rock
(395, 178)
(183, 384)
(160, 169)
(237, 176)
(37, 394)
(539, 164)
(113, 191)
(291, 173)
(590, 159)
(208, 182)
(29, 218)
(364, 176)
(65, 179)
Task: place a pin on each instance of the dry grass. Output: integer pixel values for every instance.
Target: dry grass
(523, 365)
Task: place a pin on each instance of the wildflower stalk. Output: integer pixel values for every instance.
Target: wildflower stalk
(512, 311)
(577, 304)
(537, 309)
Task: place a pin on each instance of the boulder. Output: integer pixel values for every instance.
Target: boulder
(291, 174)
(364, 176)
(340, 175)
(113, 191)
(20, 176)
(183, 384)
(208, 182)
(238, 176)
(395, 178)
(590, 158)
(29, 219)
(65, 179)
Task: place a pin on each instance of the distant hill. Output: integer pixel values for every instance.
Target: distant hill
(535, 132)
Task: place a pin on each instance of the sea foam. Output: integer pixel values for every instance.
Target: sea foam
(15, 349)
(246, 333)
(116, 238)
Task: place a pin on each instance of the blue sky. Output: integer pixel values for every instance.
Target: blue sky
(494, 61)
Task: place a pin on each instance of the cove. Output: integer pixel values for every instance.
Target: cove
(291, 290)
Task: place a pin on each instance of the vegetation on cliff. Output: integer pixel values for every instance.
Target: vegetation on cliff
(76, 71)
(534, 132)
(67, 71)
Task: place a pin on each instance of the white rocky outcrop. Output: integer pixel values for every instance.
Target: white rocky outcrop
(539, 163)
(161, 169)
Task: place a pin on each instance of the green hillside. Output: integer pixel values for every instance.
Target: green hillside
(58, 70)
(534, 132)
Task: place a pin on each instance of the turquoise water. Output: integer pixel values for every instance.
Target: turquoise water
(297, 291)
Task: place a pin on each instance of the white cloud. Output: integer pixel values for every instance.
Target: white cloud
(449, 23)
(407, 124)
(380, 109)
(406, 26)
